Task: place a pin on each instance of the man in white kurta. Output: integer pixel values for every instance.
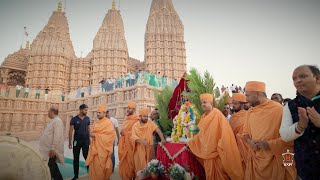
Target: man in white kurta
(51, 144)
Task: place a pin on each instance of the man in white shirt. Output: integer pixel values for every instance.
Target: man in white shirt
(18, 89)
(82, 90)
(132, 79)
(46, 93)
(233, 88)
(128, 79)
(38, 90)
(112, 80)
(301, 121)
(26, 91)
(51, 144)
(226, 111)
(140, 77)
(107, 85)
(116, 128)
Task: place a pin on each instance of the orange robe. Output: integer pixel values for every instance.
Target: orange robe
(263, 123)
(142, 154)
(216, 148)
(237, 122)
(125, 151)
(99, 155)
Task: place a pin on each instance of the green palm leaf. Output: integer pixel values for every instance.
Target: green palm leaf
(162, 101)
(198, 85)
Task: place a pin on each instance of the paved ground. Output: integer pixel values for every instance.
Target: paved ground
(114, 176)
(69, 154)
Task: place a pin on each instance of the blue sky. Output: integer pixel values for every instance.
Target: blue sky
(236, 41)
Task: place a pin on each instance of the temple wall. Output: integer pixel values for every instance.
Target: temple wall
(27, 118)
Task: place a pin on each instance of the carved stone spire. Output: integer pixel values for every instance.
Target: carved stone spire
(110, 51)
(164, 41)
(51, 55)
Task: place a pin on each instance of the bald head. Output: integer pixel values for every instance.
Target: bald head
(306, 79)
(314, 69)
(53, 112)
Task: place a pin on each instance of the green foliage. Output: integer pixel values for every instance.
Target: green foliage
(162, 101)
(222, 102)
(199, 85)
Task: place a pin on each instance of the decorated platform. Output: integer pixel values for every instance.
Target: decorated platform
(171, 153)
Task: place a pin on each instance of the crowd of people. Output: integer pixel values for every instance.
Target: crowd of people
(250, 145)
(97, 141)
(233, 88)
(139, 77)
(228, 109)
(106, 84)
(24, 91)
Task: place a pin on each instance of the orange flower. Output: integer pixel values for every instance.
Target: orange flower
(188, 103)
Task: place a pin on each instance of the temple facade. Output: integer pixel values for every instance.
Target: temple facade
(164, 41)
(49, 62)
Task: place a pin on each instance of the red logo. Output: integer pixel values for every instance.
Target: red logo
(287, 158)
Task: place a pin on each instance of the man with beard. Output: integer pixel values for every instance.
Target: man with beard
(227, 111)
(126, 147)
(142, 138)
(238, 118)
(237, 121)
(246, 106)
(261, 132)
(80, 124)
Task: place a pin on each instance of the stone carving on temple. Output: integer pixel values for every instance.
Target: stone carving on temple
(7, 122)
(18, 105)
(16, 122)
(2, 104)
(9, 104)
(32, 122)
(1, 123)
(25, 122)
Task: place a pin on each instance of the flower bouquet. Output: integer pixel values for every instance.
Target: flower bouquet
(153, 170)
(177, 172)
